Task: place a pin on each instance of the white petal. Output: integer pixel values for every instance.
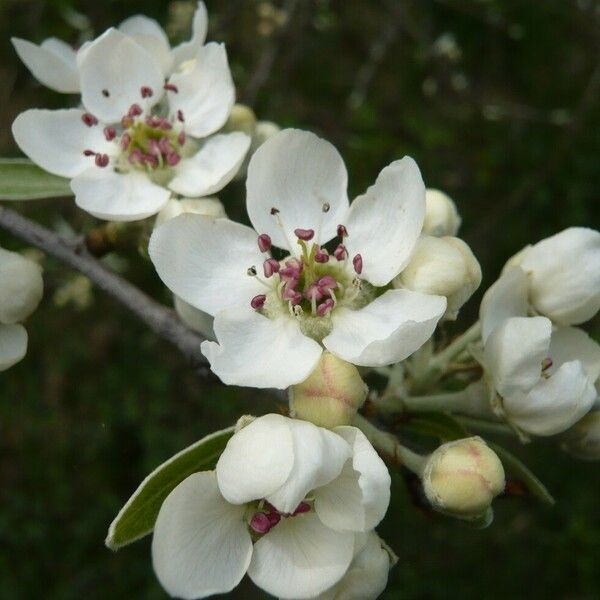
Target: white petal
(359, 498)
(253, 350)
(13, 345)
(554, 404)
(21, 287)
(209, 207)
(297, 173)
(300, 557)
(212, 167)
(570, 343)
(107, 194)
(257, 460)
(187, 50)
(115, 65)
(194, 318)
(201, 545)
(514, 353)
(367, 575)
(52, 63)
(56, 139)
(387, 330)
(151, 37)
(506, 298)
(319, 456)
(205, 91)
(394, 207)
(565, 275)
(205, 261)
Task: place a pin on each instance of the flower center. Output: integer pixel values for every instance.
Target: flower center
(266, 516)
(311, 285)
(148, 142)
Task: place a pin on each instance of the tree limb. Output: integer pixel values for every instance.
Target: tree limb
(160, 319)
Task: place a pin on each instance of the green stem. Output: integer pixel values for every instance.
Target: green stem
(449, 402)
(390, 446)
(441, 359)
(484, 426)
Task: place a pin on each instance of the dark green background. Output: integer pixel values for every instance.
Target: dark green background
(509, 128)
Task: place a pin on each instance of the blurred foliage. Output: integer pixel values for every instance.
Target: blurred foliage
(497, 100)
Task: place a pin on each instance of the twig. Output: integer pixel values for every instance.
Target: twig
(163, 321)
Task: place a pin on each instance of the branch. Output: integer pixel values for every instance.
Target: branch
(161, 320)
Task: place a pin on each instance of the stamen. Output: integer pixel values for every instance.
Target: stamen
(264, 242)
(181, 138)
(547, 363)
(105, 93)
(274, 517)
(292, 295)
(180, 115)
(325, 307)
(358, 263)
(304, 234)
(251, 271)
(171, 87)
(321, 256)
(258, 301)
(125, 141)
(260, 523)
(303, 507)
(173, 158)
(135, 110)
(101, 160)
(342, 231)
(110, 133)
(326, 206)
(146, 91)
(89, 119)
(270, 266)
(274, 211)
(89, 153)
(126, 122)
(340, 252)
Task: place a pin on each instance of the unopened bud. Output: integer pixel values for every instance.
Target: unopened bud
(441, 216)
(264, 130)
(21, 287)
(241, 118)
(461, 478)
(582, 441)
(442, 266)
(331, 395)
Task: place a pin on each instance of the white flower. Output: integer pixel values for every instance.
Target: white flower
(444, 266)
(273, 318)
(583, 439)
(544, 375)
(283, 505)
(137, 139)
(21, 289)
(367, 575)
(441, 215)
(54, 63)
(563, 278)
(194, 318)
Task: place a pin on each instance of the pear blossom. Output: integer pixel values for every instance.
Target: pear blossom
(274, 317)
(544, 376)
(367, 575)
(563, 277)
(54, 63)
(21, 289)
(441, 214)
(138, 139)
(284, 505)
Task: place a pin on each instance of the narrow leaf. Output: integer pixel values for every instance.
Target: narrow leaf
(136, 519)
(20, 179)
(535, 487)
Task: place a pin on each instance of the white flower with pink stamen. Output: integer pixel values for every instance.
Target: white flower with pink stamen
(288, 504)
(275, 313)
(54, 62)
(138, 138)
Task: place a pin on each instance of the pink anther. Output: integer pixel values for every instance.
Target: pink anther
(258, 301)
(304, 234)
(264, 242)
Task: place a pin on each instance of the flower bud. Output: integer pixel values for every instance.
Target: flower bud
(461, 478)
(441, 216)
(331, 395)
(21, 287)
(582, 441)
(241, 118)
(442, 266)
(264, 130)
(209, 207)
